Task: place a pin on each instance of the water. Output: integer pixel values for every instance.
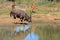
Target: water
(23, 27)
(32, 36)
(27, 35)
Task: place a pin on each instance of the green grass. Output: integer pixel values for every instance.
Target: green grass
(48, 31)
(5, 34)
(4, 11)
(26, 3)
(38, 2)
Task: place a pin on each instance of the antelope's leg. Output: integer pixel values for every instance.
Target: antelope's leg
(14, 16)
(21, 20)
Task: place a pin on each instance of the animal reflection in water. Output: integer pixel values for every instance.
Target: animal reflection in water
(23, 28)
(32, 36)
(22, 15)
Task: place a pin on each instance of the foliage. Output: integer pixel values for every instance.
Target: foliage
(48, 31)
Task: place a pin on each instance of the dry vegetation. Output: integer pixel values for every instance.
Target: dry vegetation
(46, 20)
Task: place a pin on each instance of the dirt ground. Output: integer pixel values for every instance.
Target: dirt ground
(36, 18)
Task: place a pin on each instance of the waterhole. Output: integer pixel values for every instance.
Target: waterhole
(18, 32)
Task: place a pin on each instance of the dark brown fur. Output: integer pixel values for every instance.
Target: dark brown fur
(21, 15)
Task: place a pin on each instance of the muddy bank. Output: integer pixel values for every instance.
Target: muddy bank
(36, 18)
